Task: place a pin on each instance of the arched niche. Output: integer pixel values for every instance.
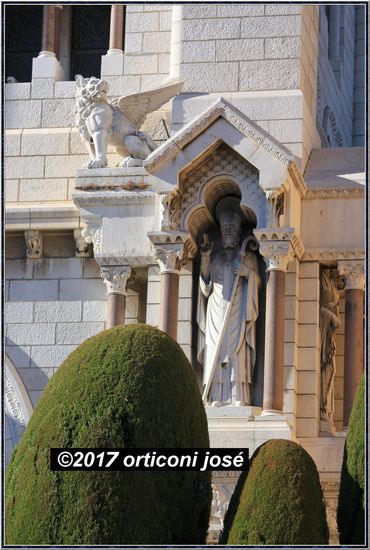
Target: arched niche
(18, 407)
(223, 173)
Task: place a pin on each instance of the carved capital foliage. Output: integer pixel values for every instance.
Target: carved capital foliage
(353, 273)
(82, 248)
(277, 254)
(116, 279)
(170, 258)
(92, 233)
(34, 243)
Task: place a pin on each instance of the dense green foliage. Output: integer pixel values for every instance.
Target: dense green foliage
(280, 501)
(351, 514)
(128, 387)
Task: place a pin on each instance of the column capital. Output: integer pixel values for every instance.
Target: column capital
(277, 254)
(116, 279)
(34, 243)
(170, 258)
(353, 272)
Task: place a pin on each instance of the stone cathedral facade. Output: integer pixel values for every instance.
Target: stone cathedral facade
(270, 121)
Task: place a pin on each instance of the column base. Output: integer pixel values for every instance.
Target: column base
(112, 63)
(46, 65)
(267, 412)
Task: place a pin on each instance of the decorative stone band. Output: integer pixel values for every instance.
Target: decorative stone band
(34, 244)
(116, 279)
(169, 258)
(353, 273)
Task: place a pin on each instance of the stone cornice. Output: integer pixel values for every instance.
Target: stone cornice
(332, 254)
(170, 149)
(298, 179)
(335, 194)
(95, 198)
(50, 216)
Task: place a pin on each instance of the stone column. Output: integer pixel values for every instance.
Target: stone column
(277, 255)
(116, 280)
(334, 30)
(112, 62)
(354, 276)
(46, 65)
(51, 29)
(116, 27)
(169, 259)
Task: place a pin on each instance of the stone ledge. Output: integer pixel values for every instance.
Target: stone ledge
(112, 178)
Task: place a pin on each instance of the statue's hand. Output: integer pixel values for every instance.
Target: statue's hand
(205, 246)
(241, 270)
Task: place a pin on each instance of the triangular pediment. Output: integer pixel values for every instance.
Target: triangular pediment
(222, 121)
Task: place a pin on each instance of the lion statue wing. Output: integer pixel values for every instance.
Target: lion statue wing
(135, 107)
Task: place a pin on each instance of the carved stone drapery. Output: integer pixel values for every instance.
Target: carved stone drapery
(354, 276)
(34, 242)
(329, 323)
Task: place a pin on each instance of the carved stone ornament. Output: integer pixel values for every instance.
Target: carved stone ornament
(116, 279)
(82, 248)
(329, 323)
(275, 199)
(170, 258)
(170, 210)
(14, 408)
(92, 233)
(353, 273)
(277, 254)
(100, 122)
(34, 244)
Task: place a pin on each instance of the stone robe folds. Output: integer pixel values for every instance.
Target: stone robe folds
(232, 379)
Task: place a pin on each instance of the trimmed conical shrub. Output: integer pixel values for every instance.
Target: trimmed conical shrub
(280, 501)
(351, 513)
(129, 387)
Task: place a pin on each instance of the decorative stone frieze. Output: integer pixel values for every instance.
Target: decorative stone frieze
(116, 279)
(82, 248)
(34, 242)
(335, 194)
(330, 254)
(353, 273)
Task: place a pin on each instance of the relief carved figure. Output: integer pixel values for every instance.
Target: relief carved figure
(117, 123)
(228, 310)
(329, 323)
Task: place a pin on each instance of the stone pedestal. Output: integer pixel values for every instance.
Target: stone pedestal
(118, 207)
(46, 65)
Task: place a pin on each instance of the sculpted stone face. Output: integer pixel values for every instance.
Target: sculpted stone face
(230, 234)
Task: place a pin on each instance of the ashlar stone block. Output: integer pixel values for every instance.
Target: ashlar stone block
(31, 334)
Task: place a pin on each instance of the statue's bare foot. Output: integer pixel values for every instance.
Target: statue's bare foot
(97, 163)
(130, 162)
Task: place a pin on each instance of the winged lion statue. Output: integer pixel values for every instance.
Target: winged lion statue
(117, 123)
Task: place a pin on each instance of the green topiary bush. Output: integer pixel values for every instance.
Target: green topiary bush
(351, 513)
(128, 387)
(280, 501)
